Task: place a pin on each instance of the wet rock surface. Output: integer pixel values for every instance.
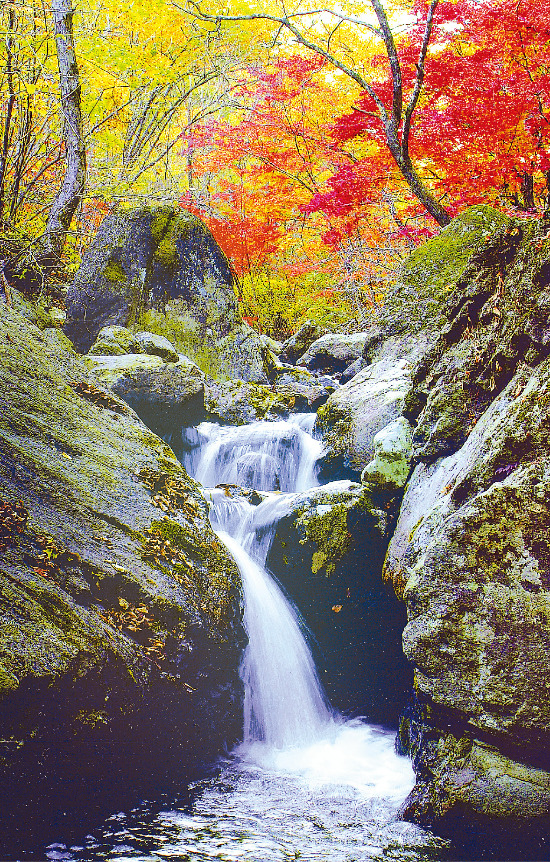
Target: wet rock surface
(335, 537)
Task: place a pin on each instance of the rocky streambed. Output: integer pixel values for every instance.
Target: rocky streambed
(121, 628)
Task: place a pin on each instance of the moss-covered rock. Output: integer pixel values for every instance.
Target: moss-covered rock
(471, 558)
(390, 467)
(235, 402)
(140, 260)
(328, 551)
(308, 390)
(359, 410)
(115, 667)
(333, 352)
(167, 396)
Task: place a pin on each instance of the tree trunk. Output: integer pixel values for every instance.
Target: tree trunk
(9, 111)
(71, 192)
(528, 191)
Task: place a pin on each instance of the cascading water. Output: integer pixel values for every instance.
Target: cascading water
(285, 707)
(305, 783)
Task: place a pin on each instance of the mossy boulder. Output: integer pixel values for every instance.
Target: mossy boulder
(143, 258)
(235, 402)
(390, 467)
(358, 410)
(398, 345)
(431, 273)
(309, 391)
(303, 338)
(470, 554)
(242, 355)
(119, 340)
(167, 396)
(118, 651)
(333, 352)
(328, 552)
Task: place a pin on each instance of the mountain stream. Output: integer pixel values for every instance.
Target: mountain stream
(306, 783)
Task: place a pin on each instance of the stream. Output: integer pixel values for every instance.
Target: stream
(305, 783)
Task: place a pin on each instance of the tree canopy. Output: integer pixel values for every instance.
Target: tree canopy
(319, 144)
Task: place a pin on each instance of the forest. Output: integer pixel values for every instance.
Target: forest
(274, 430)
(319, 145)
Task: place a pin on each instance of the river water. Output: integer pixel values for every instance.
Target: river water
(305, 783)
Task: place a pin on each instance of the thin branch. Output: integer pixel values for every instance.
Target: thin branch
(419, 77)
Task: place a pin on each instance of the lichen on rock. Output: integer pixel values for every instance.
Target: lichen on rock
(88, 626)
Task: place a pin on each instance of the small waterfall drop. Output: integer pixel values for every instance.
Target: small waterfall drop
(288, 723)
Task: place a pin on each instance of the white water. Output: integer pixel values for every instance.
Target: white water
(289, 726)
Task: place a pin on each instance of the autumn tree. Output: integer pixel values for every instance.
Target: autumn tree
(332, 35)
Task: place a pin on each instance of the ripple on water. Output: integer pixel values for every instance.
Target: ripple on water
(265, 812)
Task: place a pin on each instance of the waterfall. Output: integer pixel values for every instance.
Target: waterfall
(284, 702)
(289, 726)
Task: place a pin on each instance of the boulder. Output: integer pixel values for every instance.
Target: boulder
(333, 352)
(390, 467)
(119, 632)
(140, 260)
(303, 338)
(272, 344)
(470, 558)
(398, 343)
(357, 411)
(166, 396)
(119, 340)
(241, 355)
(308, 391)
(113, 341)
(356, 366)
(328, 552)
(470, 553)
(155, 345)
(236, 402)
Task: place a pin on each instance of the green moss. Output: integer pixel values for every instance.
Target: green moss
(167, 229)
(435, 267)
(183, 331)
(8, 681)
(113, 272)
(213, 577)
(329, 532)
(92, 718)
(161, 220)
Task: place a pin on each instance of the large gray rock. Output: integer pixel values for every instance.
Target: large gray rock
(333, 352)
(357, 411)
(167, 396)
(237, 402)
(119, 340)
(140, 260)
(303, 338)
(308, 391)
(241, 355)
(470, 558)
(470, 554)
(119, 629)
